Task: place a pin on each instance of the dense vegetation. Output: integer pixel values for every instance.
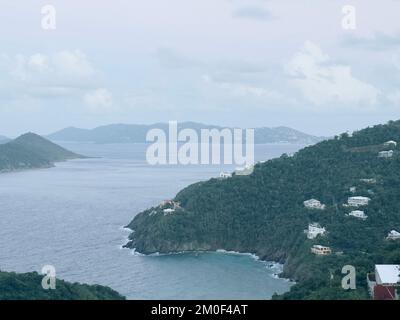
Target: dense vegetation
(264, 213)
(27, 286)
(119, 133)
(31, 151)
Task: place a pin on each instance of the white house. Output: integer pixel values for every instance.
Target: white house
(314, 230)
(314, 204)
(225, 175)
(170, 203)
(358, 214)
(385, 154)
(370, 180)
(247, 170)
(358, 201)
(393, 235)
(390, 143)
(387, 274)
(168, 211)
(321, 250)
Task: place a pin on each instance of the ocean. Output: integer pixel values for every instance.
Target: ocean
(72, 217)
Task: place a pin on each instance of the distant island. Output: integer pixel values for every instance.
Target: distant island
(135, 133)
(27, 286)
(31, 151)
(332, 204)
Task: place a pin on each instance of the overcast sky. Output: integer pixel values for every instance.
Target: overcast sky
(247, 63)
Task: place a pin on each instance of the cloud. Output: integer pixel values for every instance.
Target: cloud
(378, 42)
(252, 12)
(72, 63)
(394, 98)
(322, 82)
(251, 93)
(99, 101)
(38, 78)
(58, 72)
(168, 58)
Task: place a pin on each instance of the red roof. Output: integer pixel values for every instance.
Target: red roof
(384, 293)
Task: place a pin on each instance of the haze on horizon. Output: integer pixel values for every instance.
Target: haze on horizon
(245, 63)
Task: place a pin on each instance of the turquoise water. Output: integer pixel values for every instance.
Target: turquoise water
(72, 217)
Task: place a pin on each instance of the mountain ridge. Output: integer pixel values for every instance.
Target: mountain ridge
(31, 151)
(136, 133)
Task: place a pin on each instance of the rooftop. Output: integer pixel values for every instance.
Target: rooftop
(388, 273)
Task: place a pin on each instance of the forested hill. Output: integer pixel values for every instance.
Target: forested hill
(264, 213)
(4, 139)
(27, 286)
(32, 151)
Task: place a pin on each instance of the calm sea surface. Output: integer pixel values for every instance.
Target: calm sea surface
(71, 216)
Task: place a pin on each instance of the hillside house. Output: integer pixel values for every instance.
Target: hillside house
(384, 282)
(314, 204)
(353, 189)
(370, 180)
(385, 154)
(247, 170)
(321, 250)
(358, 201)
(390, 143)
(358, 214)
(225, 175)
(393, 235)
(168, 211)
(314, 230)
(171, 204)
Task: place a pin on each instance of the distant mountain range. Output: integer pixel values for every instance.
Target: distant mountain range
(136, 133)
(32, 151)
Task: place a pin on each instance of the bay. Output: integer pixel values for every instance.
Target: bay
(72, 217)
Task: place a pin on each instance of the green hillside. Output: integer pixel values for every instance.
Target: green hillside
(32, 151)
(27, 286)
(264, 213)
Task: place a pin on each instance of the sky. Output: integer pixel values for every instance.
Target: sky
(311, 65)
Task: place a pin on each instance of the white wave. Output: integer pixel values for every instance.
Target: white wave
(252, 255)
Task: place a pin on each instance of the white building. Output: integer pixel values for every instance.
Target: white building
(321, 250)
(225, 175)
(358, 201)
(385, 154)
(170, 203)
(314, 204)
(370, 180)
(358, 214)
(390, 143)
(247, 170)
(353, 189)
(168, 211)
(387, 274)
(393, 235)
(314, 230)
